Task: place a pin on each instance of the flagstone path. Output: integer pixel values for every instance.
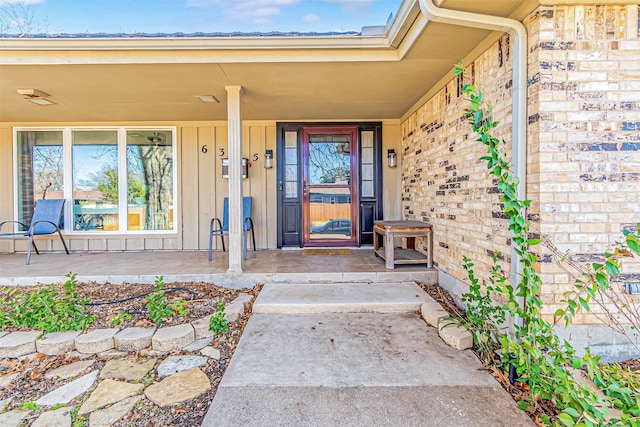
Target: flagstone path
(105, 392)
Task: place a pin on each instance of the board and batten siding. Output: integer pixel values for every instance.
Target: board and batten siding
(201, 189)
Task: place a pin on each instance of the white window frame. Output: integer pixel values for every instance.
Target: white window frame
(67, 132)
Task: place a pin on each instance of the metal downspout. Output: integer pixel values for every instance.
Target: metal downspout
(519, 93)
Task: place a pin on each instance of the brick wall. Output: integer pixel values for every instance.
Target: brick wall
(583, 147)
(584, 113)
(444, 182)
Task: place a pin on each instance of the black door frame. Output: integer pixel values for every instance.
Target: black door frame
(289, 209)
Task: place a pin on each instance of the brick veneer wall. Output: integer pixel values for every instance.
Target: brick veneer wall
(583, 168)
(443, 180)
(584, 116)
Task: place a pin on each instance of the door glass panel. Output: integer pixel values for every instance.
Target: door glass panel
(291, 164)
(367, 163)
(330, 187)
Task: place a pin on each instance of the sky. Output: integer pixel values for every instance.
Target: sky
(209, 16)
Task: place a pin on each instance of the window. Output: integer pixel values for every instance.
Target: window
(149, 181)
(115, 180)
(40, 170)
(95, 180)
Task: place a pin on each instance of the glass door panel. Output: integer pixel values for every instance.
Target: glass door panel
(328, 187)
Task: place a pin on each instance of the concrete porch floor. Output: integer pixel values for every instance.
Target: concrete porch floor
(288, 266)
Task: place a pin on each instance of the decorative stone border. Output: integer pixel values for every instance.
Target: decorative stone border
(451, 333)
(100, 341)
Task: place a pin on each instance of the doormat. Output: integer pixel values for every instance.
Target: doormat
(309, 252)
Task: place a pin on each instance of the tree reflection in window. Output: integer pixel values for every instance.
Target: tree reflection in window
(150, 176)
(329, 159)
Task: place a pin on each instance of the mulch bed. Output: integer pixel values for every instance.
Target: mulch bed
(518, 391)
(202, 301)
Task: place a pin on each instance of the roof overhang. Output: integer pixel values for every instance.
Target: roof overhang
(352, 77)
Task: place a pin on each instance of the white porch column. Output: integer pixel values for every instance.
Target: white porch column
(234, 124)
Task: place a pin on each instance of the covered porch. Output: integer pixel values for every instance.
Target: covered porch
(359, 265)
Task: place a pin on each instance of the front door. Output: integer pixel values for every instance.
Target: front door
(329, 183)
(329, 186)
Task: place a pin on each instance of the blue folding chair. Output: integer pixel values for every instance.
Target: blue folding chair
(46, 219)
(221, 229)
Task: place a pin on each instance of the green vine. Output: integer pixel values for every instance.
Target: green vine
(541, 359)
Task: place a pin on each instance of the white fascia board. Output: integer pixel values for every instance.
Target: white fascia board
(349, 48)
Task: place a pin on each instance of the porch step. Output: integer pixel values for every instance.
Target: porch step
(285, 298)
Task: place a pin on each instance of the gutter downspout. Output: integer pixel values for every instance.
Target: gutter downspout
(519, 94)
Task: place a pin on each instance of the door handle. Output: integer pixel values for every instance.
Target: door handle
(304, 187)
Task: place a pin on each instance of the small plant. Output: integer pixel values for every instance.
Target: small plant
(179, 307)
(120, 318)
(157, 305)
(29, 406)
(45, 309)
(484, 316)
(218, 323)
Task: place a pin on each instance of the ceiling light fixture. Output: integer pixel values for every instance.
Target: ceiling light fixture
(208, 99)
(41, 101)
(36, 96)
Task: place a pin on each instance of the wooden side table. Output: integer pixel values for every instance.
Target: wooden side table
(409, 229)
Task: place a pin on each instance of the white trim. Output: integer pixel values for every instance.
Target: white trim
(123, 172)
(224, 49)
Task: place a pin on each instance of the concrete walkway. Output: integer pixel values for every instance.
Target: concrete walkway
(302, 366)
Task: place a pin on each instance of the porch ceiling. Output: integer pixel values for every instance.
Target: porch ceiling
(352, 78)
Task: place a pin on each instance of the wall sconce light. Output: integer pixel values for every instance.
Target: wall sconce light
(268, 159)
(391, 155)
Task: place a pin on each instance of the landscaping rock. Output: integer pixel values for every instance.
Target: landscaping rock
(59, 418)
(57, 342)
(18, 344)
(109, 391)
(68, 392)
(79, 355)
(455, 336)
(173, 337)
(132, 339)
(178, 387)
(13, 418)
(109, 416)
(96, 341)
(433, 313)
(211, 352)
(198, 345)
(244, 299)
(70, 370)
(112, 354)
(201, 328)
(5, 402)
(176, 364)
(233, 311)
(127, 370)
(29, 356)
(6, 380)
